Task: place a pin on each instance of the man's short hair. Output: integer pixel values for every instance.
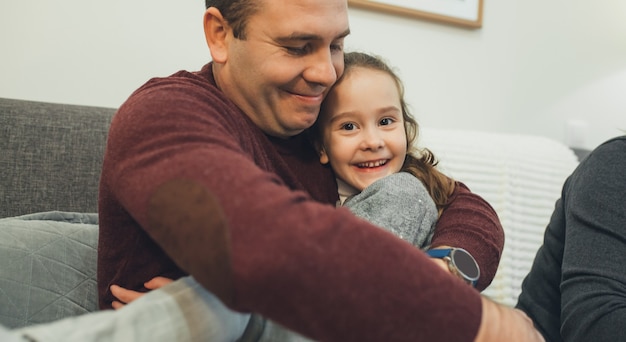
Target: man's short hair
(236, 13)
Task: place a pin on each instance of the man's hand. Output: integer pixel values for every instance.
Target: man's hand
(502, 323)
(126, 296)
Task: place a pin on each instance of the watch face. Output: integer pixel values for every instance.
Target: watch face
(465, 263)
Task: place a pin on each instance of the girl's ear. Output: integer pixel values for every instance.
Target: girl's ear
(216, 33)
(319, 147)
(323, 155)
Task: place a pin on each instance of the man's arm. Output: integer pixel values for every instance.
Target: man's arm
(471, 223)
(593, 285)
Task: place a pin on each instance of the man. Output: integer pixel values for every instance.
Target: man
(576, 288)
(208, 174)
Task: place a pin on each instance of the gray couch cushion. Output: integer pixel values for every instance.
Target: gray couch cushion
(51, 156)
(48, 267)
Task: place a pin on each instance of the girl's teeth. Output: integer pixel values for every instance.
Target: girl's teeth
(373, 164)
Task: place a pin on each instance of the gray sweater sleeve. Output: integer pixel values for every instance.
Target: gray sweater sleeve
(400, 204)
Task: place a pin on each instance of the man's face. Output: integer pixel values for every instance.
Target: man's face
(292, 55)
(362, 128)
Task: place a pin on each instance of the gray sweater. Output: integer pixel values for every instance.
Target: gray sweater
(400, 204)
(576, 288)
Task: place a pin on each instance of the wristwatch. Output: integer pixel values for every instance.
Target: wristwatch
(460, 263)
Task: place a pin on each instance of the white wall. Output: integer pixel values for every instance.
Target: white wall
(95, 52)
(534, 65)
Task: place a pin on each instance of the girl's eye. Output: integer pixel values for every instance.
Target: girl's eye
(386, 121)
(347, 126)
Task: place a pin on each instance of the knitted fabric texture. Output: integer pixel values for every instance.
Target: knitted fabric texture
(400, 204)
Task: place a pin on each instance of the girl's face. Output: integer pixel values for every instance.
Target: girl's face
(363, 135)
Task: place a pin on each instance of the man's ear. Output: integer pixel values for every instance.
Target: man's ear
(216, 34)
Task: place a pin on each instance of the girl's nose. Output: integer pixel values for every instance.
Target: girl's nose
(372, 140)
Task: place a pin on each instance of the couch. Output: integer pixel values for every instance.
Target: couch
(50, 160)
(50, 157)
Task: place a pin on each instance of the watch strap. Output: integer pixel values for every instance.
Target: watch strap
(439, 253)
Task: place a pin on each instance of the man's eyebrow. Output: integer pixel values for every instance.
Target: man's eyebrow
(307, 36)
(343, 34)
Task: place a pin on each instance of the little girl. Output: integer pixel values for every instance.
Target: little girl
(366, 134)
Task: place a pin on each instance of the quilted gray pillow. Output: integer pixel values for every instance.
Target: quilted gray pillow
(47, 267)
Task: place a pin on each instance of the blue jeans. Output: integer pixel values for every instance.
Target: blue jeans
(180, 311)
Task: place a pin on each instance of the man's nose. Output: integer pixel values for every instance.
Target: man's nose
(321, 69)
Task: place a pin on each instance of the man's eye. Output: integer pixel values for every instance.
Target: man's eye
(347, 126)
(297, 50)
(337, 47)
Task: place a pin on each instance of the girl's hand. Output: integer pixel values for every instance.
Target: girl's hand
(125, 296)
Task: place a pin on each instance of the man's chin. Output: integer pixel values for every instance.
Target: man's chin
(306, 121)
(300, 121)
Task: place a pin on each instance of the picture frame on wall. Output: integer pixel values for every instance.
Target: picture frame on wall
(465, 13)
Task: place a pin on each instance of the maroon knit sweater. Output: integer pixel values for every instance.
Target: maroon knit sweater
(191, 186)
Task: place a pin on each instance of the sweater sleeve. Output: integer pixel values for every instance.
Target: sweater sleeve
(258, 245)
(469, 222)
(593, 283)
(400, 204)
